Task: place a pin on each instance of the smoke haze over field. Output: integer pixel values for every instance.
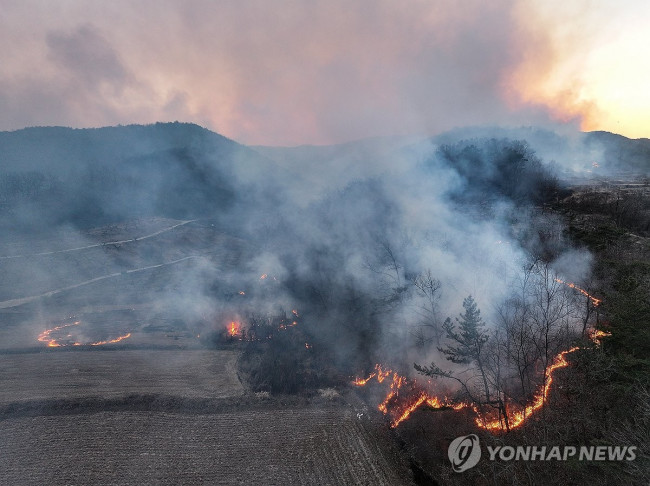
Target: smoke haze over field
(346, 251)
(294, 72)
(349, 232)
(300, 198)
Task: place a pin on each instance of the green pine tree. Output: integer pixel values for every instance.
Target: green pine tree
(466, 347)
(469, 340)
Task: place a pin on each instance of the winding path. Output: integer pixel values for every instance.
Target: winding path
(26, 300)
(96, 245)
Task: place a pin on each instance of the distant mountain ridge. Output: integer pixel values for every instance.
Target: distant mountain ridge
(93, 176)
(628, 154)
(37, 147)
(573, 152)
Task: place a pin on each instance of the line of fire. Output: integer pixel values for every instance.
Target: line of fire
(405, 395)
(60, 336)
(230, 327)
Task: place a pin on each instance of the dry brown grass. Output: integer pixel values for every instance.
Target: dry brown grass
(176, 417)
(291, 446)
(113, 373)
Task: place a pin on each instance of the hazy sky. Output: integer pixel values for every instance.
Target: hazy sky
(288, 72)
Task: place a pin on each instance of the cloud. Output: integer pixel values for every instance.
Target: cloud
(584, 62)
(88, 58)
(292, 71)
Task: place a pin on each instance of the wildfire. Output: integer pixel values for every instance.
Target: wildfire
(111, 341)
(414, 396)
(596, 334)
(263, 276)
(243, 330)
(45, 337)
(234, 328)
(593, 299)
(395, 385)
(379, 372)
(515, 419)
(283, 326)
(407, 412)
(399, 408)
(363, 381)
(382, 375)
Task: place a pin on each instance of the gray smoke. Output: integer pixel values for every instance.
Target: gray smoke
(343, 233)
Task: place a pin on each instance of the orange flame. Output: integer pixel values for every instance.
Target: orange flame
(233, 329)
(111, 341)
(45, 337)
(593, 299)
(363, 381)
(516, 419)
(382, 374)
(409, 409)
(596, 334)
(379, 373)
(401, 410)
(413, 396)
(395, 385)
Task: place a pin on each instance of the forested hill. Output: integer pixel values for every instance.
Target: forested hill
(89, 177)
(624, 153)
(573, 151)
(51, 175)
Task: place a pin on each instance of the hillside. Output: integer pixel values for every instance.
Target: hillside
(87, 177)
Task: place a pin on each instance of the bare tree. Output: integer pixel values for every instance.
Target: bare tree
(521, 352)
(428, 288)
(550, 315)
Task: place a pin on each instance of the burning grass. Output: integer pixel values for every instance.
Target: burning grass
(405, 395)
(58, 337)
